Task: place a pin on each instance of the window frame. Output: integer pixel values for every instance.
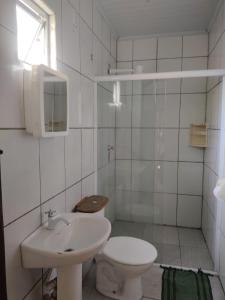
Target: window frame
(39, 11)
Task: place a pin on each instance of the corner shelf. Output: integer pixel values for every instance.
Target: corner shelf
(199, 135)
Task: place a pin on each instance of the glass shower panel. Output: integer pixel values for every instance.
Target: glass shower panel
(132, 159)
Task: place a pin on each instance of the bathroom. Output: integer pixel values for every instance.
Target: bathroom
(143, 126)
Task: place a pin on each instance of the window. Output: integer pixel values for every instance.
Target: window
(35, 30)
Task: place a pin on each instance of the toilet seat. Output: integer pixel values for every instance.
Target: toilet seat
(130, 251)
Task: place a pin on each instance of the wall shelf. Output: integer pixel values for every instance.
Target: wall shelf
(199, 135)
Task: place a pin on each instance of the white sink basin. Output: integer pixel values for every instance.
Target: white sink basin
(66, 248)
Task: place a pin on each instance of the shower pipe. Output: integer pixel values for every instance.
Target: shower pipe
(164, 75)
(3, 292)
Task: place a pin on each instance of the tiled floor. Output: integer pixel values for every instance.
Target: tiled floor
(176, 246)
(151, 281)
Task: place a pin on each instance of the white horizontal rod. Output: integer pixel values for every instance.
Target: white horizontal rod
(164, 75)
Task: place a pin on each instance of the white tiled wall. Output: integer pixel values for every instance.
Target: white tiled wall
(154, 160)
(214, 210)
(38, 174)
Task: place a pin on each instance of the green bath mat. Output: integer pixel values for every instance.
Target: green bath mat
(185, 285)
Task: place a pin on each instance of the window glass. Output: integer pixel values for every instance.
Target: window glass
(32, 34)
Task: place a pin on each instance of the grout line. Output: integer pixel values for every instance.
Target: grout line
(33, 287)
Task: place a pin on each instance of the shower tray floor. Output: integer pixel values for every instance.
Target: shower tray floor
(176, 246)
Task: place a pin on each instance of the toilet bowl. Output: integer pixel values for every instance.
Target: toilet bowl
(120, 265)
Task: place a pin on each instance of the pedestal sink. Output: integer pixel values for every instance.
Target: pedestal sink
(66, 248)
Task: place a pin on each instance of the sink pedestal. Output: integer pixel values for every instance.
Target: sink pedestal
(69, 282)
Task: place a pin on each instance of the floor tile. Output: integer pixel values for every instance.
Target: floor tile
(168, 254)
(161, 234)
(152, 283)
(133, 229)
(193, 257)
(191, 237)
(217, 290)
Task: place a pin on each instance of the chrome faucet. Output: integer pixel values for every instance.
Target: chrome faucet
(53, 219)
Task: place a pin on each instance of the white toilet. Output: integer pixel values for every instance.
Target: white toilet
(120, 266)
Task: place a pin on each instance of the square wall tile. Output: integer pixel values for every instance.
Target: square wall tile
(52, 167)
(171, 85)
(125, 86)
(113, 45)
(189, 206)
(142, 208)
(144, 111)
(143, 141)
(73, 156)
(105, 34)
(88, 186)
(214, 106)
(123, 143)
(97, 56)
(8, 14)
(165, 177)
(195, 45)
(100, 148)
(190, 178)
(70, 33)
(165, 209)
(124, 50)
(142, 176)
(73, 196)
(86, 49)
(122, 210)
(123, 114)
(167, 111)
(108, 110)
(144, 48)
(170, 47)
(87, 151)
(86, 7)
(222, 260)
(75, 105)
(20, 173)
(11, 82)
(166, 144)
(194, 85)
(75, 4)
(186, 151)
(123, 174)
(193, 108)
(149, 66)
(87, 108)
(97, 20)
(36, 292)
(109, 140)
(20, 280)
(143, 87)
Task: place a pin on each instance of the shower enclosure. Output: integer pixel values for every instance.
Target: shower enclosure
(147, 164)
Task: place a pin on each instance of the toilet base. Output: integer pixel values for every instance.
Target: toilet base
(131, 290)
(112, 284)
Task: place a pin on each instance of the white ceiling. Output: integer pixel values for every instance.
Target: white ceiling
(146, 17)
